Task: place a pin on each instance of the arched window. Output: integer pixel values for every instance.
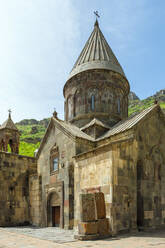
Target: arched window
(55, 163)
(118, 105)
(54, 159)
(92, 102)
(93, 99)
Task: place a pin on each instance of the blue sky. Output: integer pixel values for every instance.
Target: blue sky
(41, 40)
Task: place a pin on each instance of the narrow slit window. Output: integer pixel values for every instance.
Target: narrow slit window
(92, 102)
(55, 164)
(118, 105)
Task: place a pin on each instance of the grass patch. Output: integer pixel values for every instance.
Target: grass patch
(28, 149)
(28, 135)
(162, 105)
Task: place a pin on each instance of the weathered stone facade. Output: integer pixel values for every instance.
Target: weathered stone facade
(107, 89)
(57, 184)
(16, 200)
(151, 171)
(35, 199)
(98, 170)
(103, 170)
(129, 169)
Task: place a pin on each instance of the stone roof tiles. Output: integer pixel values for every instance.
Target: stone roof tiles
(120, 127)
(9, 124)
(128, 123)
(95, 121)
(96, 54)
(75, 131)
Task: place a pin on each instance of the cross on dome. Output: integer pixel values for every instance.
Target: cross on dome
(97, 14)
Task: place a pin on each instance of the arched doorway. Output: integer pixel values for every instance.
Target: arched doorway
(54, 210)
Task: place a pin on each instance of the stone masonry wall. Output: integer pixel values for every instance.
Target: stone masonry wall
(14, 190)
(35, 200)
(151, 172)
(124, 185)
(111, 170)
(93, 173)
(63, 176)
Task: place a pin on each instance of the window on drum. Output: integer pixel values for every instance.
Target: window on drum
(92, 102)
(118, 105)
(70, 107)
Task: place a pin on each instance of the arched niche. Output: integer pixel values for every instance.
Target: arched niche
(119, 102)
(70, 107)
(107, 99)
(79, 102)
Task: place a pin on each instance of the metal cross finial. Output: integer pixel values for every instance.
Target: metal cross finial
(55, 113)
(96, 14)
(9, 112)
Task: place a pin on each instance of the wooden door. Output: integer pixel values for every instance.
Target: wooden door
(56, 216)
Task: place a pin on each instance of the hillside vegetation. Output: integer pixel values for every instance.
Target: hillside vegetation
(32, 131)
(136, 105)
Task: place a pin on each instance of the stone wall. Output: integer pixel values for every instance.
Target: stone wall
(110, 169)
(151, 172)
(93, 173)
(63, 177)
(14, 191)
(35, 199)
(129, 168)
(124, 185)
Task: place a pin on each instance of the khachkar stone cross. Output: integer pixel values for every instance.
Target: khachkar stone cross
(96, 14)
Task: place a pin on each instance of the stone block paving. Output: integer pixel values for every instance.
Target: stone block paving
(58, 238)
(54, 234)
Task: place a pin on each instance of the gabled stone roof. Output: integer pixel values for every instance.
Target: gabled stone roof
(67, 128)
(75, 131)
(95, 121)
(96, 54)
(128, 123)
(9, 124)
(120, 127)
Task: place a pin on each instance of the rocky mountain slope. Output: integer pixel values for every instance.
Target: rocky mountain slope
(32, 131)
(137, 105)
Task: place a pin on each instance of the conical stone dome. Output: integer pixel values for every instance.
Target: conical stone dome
(9, 136)
(9, 124)
(96, 54)
(97, 87)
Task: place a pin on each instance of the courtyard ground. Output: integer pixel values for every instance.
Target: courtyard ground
(26, 237)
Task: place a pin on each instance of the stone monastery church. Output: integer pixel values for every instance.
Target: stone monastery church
(97, 152)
